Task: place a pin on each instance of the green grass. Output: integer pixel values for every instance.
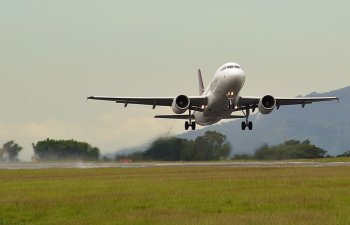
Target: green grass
(179, 195)
(334, 159)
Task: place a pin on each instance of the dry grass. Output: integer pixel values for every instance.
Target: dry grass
(179, 195)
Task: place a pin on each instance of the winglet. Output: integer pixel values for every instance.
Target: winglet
(200, 80)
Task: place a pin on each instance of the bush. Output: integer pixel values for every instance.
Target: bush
(50, 149)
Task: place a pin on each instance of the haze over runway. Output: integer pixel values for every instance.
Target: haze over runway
(55, 53)
(90, 165)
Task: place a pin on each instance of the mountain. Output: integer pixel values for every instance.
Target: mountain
(325, 124)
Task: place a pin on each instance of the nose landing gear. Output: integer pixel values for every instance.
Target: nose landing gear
(230, 96)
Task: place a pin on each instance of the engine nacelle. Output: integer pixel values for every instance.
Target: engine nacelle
(180, 104)
(266, 104)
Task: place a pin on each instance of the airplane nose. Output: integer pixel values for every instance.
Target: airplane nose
(237, 77)
(242, 74)
(234, 75)
(238, 74)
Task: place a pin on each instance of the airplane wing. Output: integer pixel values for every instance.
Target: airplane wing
(245, 102)
(196, 102)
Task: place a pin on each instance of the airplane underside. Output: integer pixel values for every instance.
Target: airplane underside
(205, 121)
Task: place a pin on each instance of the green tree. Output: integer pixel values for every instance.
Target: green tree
(262, 152)
(167, 149)
(50, 149)
(187, 152)
(291, 149)
(10, 150)
(211, 146)
(345, 154)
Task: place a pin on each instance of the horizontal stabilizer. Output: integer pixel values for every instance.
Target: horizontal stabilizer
(235, 117)
(180, 117)
(186, 117)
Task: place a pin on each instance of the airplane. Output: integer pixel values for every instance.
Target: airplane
(218, 101)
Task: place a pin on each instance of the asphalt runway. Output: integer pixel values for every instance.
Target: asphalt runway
(86, 165)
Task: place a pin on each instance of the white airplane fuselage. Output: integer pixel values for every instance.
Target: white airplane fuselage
(225, 87)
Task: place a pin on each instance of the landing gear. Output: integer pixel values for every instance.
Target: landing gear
(250, 125)
(189, 123)
(230, 105)
(246, 123)
(230, 96)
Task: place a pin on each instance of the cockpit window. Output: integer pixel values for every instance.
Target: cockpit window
(229, 67)
(223, 68)
(237, 67)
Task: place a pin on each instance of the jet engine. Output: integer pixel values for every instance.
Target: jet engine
(180, 104)
(266, 104)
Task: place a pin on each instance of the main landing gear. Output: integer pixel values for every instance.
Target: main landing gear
(247, 123)
(189, 123)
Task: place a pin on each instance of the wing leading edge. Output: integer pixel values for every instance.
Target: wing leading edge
(252, 102)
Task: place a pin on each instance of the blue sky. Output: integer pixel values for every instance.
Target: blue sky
(55, 53)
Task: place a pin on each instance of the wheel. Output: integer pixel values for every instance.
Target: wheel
(187, 125)
(193, 125)
(243, 125)
(250, 125)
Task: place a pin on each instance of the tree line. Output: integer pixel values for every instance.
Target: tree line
(211, 146)
(291, 149)
(50, 149)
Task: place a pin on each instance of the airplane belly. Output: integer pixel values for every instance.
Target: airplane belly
(217, 107)
(203, 121)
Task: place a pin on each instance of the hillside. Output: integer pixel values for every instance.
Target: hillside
(327, 125)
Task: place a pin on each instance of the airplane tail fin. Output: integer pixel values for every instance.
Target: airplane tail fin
(200, 80)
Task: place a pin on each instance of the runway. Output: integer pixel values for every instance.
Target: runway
(86, 165)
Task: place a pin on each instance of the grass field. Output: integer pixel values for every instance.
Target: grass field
(333, 159)
(179, 195)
